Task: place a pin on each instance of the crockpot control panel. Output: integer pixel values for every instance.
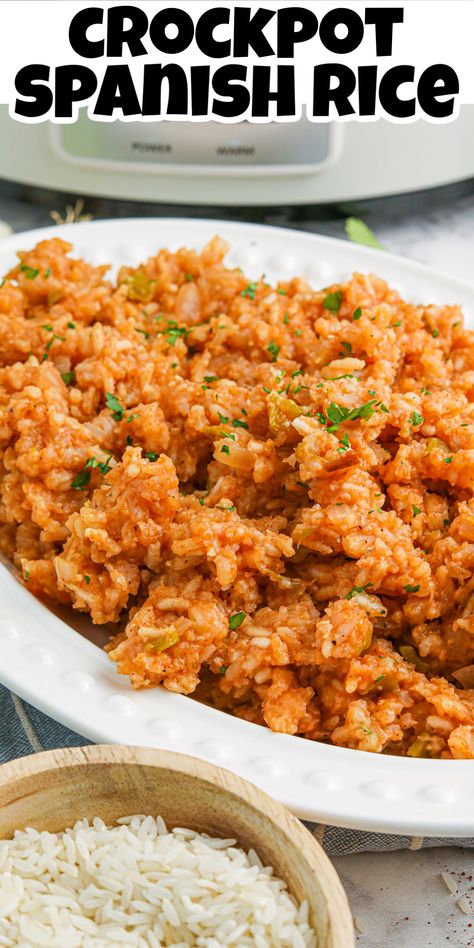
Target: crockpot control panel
(296, 145)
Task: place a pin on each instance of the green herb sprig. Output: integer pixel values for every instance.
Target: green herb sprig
(360, 233)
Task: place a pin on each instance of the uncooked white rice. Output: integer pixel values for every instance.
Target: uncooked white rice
(449, 882)
(465, 906)
(359, 925)
(137, 884)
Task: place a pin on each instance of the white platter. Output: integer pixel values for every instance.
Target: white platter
(68, 677)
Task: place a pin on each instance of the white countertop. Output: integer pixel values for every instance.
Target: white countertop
(397, 898)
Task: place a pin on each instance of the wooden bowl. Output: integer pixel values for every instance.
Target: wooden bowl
(52, 790)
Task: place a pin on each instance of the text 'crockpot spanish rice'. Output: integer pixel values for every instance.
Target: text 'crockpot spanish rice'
(268, 488)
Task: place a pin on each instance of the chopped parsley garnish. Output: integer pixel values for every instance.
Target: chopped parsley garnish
(188, 277)
(335, 378)
(358, 589)
(333, 301)
(222, 418)
(434, 333)
(53, 337)
(397, 323)
(229, 509)
(273, 349)
(378, 679)
(151, 455)
(416, 510)
(47, 273)
(67, 377)
(383, 407)
(416, 419)
(143, 332)
(239, 424)
(371, 391)
(298, 372)
(344, 444)
(115, 407)
(425, 391)
(286, 319)
(250, 291)
(82, 479)
(223, 669)
(336, 414)
(48, 327)
(87, 579)
(411, 589)
(236, 620)
(71, 325)
(357, 313)
(280, 291)
(225, 449)
(30, 272)
(339, 413)
(446, 522)
(104, 466)
(173, 332)
(129, 441)
(297, 332)
(347, 346)
(448, 460)
(211, 378)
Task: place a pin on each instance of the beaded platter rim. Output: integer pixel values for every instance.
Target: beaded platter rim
(52, 666)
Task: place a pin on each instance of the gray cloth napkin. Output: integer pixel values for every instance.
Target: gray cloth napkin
(25, 730)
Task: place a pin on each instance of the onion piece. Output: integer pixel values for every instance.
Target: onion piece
(465, 676)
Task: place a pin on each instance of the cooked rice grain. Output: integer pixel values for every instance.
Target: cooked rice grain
(187, 446)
